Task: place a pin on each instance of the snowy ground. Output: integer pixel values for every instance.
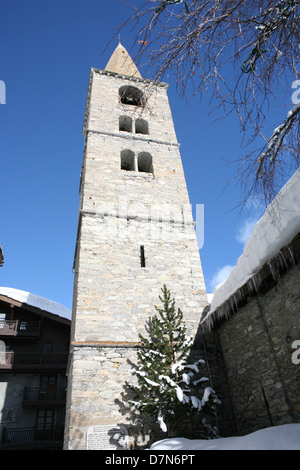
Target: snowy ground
(285, 437)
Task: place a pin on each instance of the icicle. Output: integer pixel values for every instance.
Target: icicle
(255, 283)
(273, 270)
(292, 257)
(283, 260)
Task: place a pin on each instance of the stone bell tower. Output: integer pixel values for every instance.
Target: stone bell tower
(135, 234)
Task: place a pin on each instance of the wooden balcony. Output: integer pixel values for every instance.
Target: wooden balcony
(18, 361)
(17, 328)
(51, 396)
(6, 360)
(38, 361)
(31, 438)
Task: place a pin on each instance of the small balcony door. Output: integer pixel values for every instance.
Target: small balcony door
(44, 424)
(48, 385)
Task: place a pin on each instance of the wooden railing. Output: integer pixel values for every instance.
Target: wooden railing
(6, 360)
(9, 360)
(19, 328)
(40, 361)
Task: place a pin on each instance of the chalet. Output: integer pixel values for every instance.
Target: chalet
(34, 344)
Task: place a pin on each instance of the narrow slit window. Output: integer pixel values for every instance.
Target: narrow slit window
(142, 253)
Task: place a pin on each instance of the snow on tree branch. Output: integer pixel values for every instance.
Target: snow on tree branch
(168, 385)
(242, 54)
(283, 10)
(276, 140)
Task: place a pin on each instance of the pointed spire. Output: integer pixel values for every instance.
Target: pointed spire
(121, 62)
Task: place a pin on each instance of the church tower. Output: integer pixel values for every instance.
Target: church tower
(135, 234)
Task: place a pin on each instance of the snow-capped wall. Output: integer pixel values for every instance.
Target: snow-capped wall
(278, 226)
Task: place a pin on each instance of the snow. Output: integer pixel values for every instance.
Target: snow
(36, 301)
(277, 227)
(284, 437)
(187, 377)
(293, 111)
(162, 424)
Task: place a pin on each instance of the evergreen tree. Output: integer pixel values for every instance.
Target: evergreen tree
(165, 379)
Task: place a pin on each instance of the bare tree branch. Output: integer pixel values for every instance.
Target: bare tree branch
(241, 51)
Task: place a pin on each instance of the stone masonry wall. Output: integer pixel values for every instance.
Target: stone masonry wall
(120, 211)
(256, 342)
(98, 376)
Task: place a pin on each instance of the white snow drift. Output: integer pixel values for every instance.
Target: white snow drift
(284, 437)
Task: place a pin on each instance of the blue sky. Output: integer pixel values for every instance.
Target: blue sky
(47, 50)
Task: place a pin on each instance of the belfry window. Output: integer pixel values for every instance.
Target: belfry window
(145, 162)
(127, 160)
(141, 126)
(125, 123)
(131, 95)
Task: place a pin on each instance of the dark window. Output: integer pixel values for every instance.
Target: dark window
(125, 123)
(145, 162)
(44, 424)
(47, 381)
(48, 387)
(141, 126)
(127, 160)
(131, 95)
(142, 253)
(23, 325)
(48, 347)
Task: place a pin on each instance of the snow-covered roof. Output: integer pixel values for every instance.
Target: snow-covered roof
(277, 228)
(36, 301)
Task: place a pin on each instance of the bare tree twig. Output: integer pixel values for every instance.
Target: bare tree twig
(243, 52)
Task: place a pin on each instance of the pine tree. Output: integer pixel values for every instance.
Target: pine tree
(164, 377)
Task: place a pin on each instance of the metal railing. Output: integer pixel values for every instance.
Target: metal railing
(44, 395)
(21, 436)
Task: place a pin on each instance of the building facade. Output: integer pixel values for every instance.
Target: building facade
(34, 345)
(254, 315)
(135, 234)
(259, 341)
